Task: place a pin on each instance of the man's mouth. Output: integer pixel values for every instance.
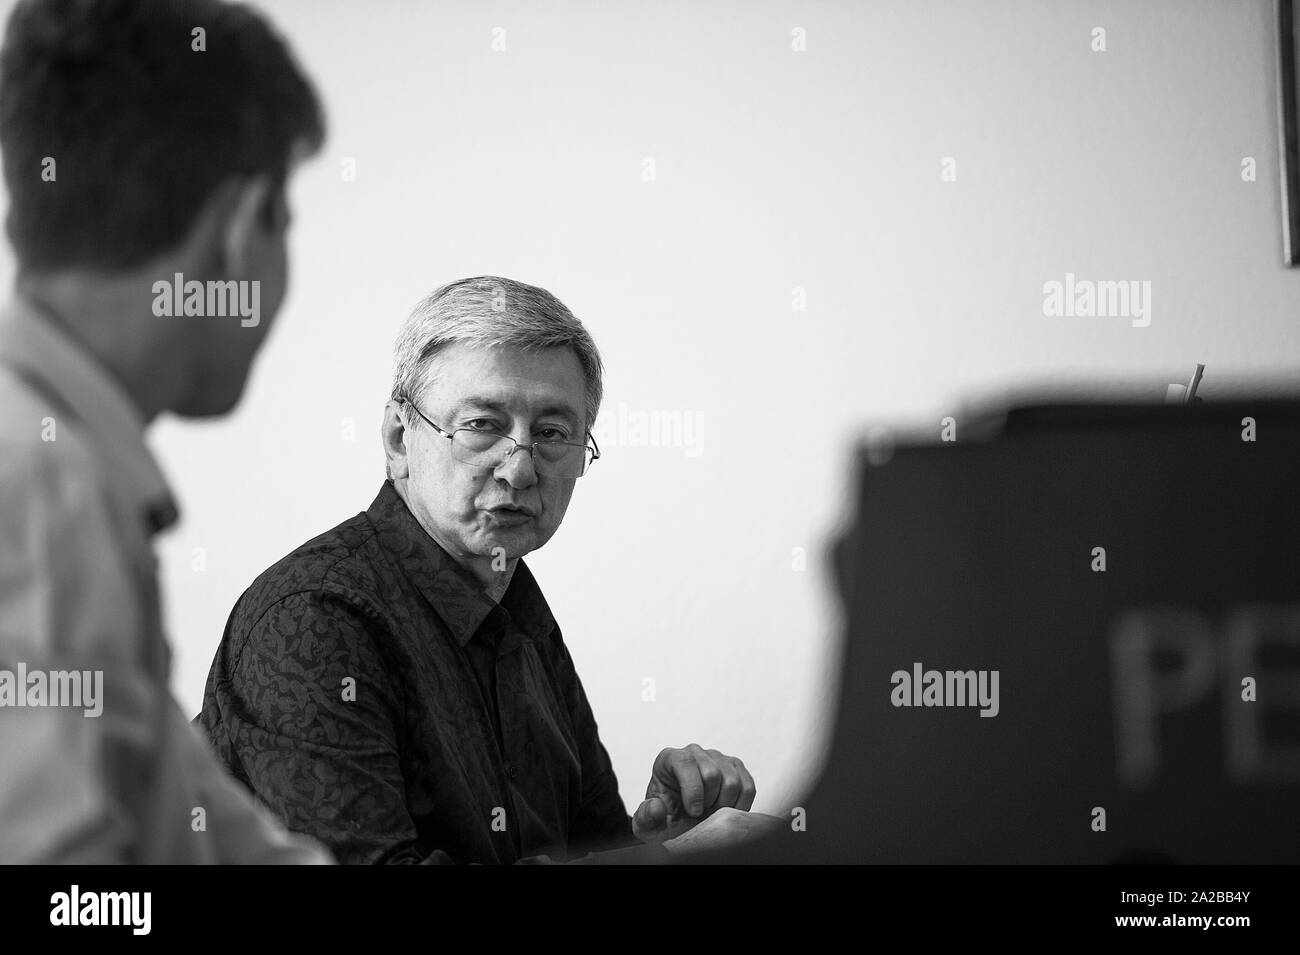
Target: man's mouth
(509, 516)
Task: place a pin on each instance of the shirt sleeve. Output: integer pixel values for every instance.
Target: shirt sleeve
(120, 779)
(304, 707)
(244, 832)
(601, 822)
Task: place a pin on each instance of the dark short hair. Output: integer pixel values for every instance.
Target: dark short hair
(143, 129)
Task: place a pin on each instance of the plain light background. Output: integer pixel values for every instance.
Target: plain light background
(775, 170)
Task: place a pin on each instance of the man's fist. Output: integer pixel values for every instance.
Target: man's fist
(687, 785)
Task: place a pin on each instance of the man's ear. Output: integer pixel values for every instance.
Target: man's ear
(245, 224)
(393, 434)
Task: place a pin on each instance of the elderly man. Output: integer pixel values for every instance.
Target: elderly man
(398, 687)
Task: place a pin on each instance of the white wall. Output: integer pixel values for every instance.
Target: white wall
(775, 170)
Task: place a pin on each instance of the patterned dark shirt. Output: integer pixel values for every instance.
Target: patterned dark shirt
(373, 696)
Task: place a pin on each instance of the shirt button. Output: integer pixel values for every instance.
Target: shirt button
(511, 770)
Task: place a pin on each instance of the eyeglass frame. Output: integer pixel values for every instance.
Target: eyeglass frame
(532, 448)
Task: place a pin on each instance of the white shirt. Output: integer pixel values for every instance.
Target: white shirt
(80, 498)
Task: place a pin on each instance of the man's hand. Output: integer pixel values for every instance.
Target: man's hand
(725, 829)
(687, 785)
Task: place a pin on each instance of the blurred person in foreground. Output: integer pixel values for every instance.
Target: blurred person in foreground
(147, 149)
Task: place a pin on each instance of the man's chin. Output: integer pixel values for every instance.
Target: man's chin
(514, 541)
(211, 402)
(206, 407)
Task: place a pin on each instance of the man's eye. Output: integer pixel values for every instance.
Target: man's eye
(552, 434)
(481, 424)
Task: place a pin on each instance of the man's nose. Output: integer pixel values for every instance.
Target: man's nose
(518, 470)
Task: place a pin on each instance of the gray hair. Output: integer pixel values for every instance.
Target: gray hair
(484, 311)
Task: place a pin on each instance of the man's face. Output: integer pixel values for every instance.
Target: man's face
(224, 347)
(530, 396)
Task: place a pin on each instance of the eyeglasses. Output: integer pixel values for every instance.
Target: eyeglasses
(488, 449)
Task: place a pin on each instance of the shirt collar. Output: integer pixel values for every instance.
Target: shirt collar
(64, 371)
(452, 591)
